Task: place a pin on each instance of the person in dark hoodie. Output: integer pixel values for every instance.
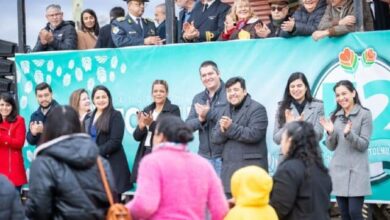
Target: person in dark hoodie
(104, 39)
(65, 182)
(305, 20)
(10, 206)
(44, 95)
(58, 34)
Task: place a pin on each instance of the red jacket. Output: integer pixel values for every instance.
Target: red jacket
(12, 137)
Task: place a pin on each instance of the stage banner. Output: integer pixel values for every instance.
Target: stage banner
(266, 64)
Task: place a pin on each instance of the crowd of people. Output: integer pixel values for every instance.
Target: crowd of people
(210, 20)
(231, 166)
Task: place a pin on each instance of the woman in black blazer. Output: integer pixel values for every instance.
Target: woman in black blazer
(147, 121)
(106, 126)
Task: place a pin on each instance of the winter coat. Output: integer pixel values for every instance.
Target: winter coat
(10, 206)
(104, 39)
(38, 116)
(249, 28)
(174, 183)
(301, 192)
(207, 149)
(65, 38)
(140, 135)
(86, 40)
(349, 167)
(12, 138)
(111, 148)
(244, 141)
(65, 182)
(251, 187)
(333, 15)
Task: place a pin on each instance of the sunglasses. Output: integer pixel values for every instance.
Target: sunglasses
(276, 8)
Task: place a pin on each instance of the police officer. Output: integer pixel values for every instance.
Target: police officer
(133, 29)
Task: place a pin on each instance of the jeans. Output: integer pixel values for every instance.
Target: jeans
(351, 207)
(217, 164)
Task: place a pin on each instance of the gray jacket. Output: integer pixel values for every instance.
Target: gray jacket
(349, 167)
(312, 113)
(206, 148)
(244, 142)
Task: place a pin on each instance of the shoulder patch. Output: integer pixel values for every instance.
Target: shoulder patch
(120, 19)
(115, 30)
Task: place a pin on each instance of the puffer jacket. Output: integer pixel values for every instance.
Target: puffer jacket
(251, 187)
(10, 206)
(65, 182)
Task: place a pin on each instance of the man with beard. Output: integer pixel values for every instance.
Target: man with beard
(241, 131)
(44, 95)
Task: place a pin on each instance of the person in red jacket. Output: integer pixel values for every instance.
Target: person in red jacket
(12, 137)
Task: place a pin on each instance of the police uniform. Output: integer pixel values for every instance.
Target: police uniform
(209, 21)
(127, 32)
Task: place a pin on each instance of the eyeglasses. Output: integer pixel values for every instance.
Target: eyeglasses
(54, 15)
(276, 8)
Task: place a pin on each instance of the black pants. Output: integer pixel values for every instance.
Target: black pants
(351, 207)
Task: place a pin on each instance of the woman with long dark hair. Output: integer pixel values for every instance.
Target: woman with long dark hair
(174, 183)
(12, 137)
(348, 135)
(89, 32)
(302, 185)
(147, 121)
(106, 126)
(64, 178)
(298, 105)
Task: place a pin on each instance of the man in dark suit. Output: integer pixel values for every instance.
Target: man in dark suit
(241, 129)
(134, 30)
(105, 40)
(184, 15)
(206, 21)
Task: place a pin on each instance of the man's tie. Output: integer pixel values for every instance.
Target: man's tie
(205, 6)
(139, 23)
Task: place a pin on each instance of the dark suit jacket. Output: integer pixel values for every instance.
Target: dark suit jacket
(210, 23)
(161, 30)
(111, 148)
(140, 135)
(104, 39)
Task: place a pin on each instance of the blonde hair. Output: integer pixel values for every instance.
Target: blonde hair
(239, 2)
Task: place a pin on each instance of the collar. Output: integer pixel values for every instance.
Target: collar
(209, 3)
(134, 18)
(221, 86)
(172, 146)
(239, 106)
(354, 111)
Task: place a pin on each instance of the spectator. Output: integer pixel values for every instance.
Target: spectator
(279, 14)
(64, 178)
(349, 130)
(182, 189)
(144, 131)
(245, 22)
(306, 19)
(12, 137)
(134, 30)
(44, 95)
(80, 102)
(186, 7)
(301, 183)
(339, 19)
(104, 39)
(251, 187)
(241, 131)
(199, 27)
(10, 206)
(298, 105)
(58, 34)
(106, 127)
(89, 32)
(381, 14)
(203, 115)
(160, 16)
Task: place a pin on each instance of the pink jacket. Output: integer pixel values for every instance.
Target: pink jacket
(176, 184)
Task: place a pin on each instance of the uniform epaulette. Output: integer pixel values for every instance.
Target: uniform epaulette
(148, 20)
(120, 19)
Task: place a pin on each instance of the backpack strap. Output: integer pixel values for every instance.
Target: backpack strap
(104, 180)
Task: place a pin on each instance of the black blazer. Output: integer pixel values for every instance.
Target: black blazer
(140, 135)
(104, 39)
(111, 148)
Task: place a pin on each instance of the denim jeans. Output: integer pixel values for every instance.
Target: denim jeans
(217, 164)
(351, 207)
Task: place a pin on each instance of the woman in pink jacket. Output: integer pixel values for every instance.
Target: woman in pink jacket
(174, 183)
(12, 137)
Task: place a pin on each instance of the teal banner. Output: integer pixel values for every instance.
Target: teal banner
(363, 58)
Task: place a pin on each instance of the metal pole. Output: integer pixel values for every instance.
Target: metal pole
(358, 5)
(170, 21)
(21, 26)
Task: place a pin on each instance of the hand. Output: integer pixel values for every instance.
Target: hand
(327, 124)
(317, 35)
(229, 24)
(49, 37)
(348, 127)
(153, 40)
(288, 26)
(262, 30)
(36, 127)
(148, 118)
(43, 36)
(348, 20)
(232, 203)
(225, 122)
(202, 111)
(190, 32)
(140, 120)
